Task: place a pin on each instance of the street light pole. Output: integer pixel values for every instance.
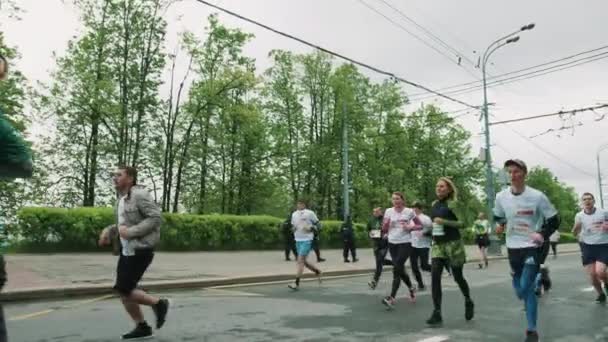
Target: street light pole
(599, 173)
(345, 170)
(497, 44)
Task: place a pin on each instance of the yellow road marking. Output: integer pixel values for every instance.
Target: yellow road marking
(46, 312)
(32, 315)
(212, 292)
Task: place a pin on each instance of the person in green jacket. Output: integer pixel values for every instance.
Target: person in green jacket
(15, 162)
(15, 157)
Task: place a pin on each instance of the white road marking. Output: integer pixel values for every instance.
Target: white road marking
(435, 339)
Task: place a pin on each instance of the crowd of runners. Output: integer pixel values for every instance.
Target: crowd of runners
(523, 214)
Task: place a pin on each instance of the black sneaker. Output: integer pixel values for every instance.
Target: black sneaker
(355, 260)
(469, 310)
(544, 279)
(435, 319)
(142, 330)
(346, 260)
(294, 286)
(372, 284)
(160, 310)
(601, 299)
(531, 336)
(320, 260)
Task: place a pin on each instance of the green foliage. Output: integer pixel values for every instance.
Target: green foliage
(71, 230)
(563, 197)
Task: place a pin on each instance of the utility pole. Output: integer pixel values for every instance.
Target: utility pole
(497, 44)
(345, 195)
(599, 174)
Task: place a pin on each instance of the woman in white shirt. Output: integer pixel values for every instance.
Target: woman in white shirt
(398, 224)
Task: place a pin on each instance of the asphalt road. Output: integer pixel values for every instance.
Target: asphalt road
(340, 309)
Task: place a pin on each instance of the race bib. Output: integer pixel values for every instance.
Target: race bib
(375, 233)
(438, 230)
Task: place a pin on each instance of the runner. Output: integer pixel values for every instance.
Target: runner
(554, 240)
(304, 222)
(448, 249)
(421, 241)
(398, 223)
(15, 162)
(592, 225)
(481, 228)
(521, 211)
(374, 229)
(138, 228)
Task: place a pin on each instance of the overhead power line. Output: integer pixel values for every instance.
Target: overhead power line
(556, 157)
(351, 60)
(429, 33)
(561, 112)
(475, 85)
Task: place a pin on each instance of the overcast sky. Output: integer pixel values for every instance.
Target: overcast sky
(347, 26)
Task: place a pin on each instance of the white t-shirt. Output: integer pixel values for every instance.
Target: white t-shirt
(398, 220)
(301, 220)
(594, 230)
(418, 238)
(525, 214)
(126, 250)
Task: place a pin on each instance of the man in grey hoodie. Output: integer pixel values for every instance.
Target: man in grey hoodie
(138, 230)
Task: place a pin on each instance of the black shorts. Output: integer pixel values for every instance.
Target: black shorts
(594, 253)
(482, 240)
(519, 256)
(130, 269)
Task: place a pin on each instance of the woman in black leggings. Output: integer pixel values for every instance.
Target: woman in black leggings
(398, 223)
(448, 249)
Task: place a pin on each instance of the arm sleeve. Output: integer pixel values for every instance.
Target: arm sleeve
(550, 226)
(151, 213)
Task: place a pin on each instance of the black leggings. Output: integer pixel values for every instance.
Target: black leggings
(380, 251)
(400, 253)
(420, 256)
(436, 270)
(554, 248)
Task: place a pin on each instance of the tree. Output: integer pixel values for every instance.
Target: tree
(563, 197)
(103, 92)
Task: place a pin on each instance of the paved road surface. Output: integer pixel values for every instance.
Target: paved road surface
(342, 309)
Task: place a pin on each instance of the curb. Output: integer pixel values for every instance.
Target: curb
(105, 289)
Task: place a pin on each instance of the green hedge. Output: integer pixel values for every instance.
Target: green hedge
(72, 230)
(67, 230)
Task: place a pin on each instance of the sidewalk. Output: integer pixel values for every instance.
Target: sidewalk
(35, 276)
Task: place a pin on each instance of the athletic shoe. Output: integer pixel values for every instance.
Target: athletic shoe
(412, 295)
(435, 319)
(480, 266)
(389, 302)
(142, 330)
(531, 336)
(372, 284)
(544, 279)
(469, 310)
(346, 260)
(601, 299)
(320, 260)
(355, 260)
(294, 286)
(160, 311)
